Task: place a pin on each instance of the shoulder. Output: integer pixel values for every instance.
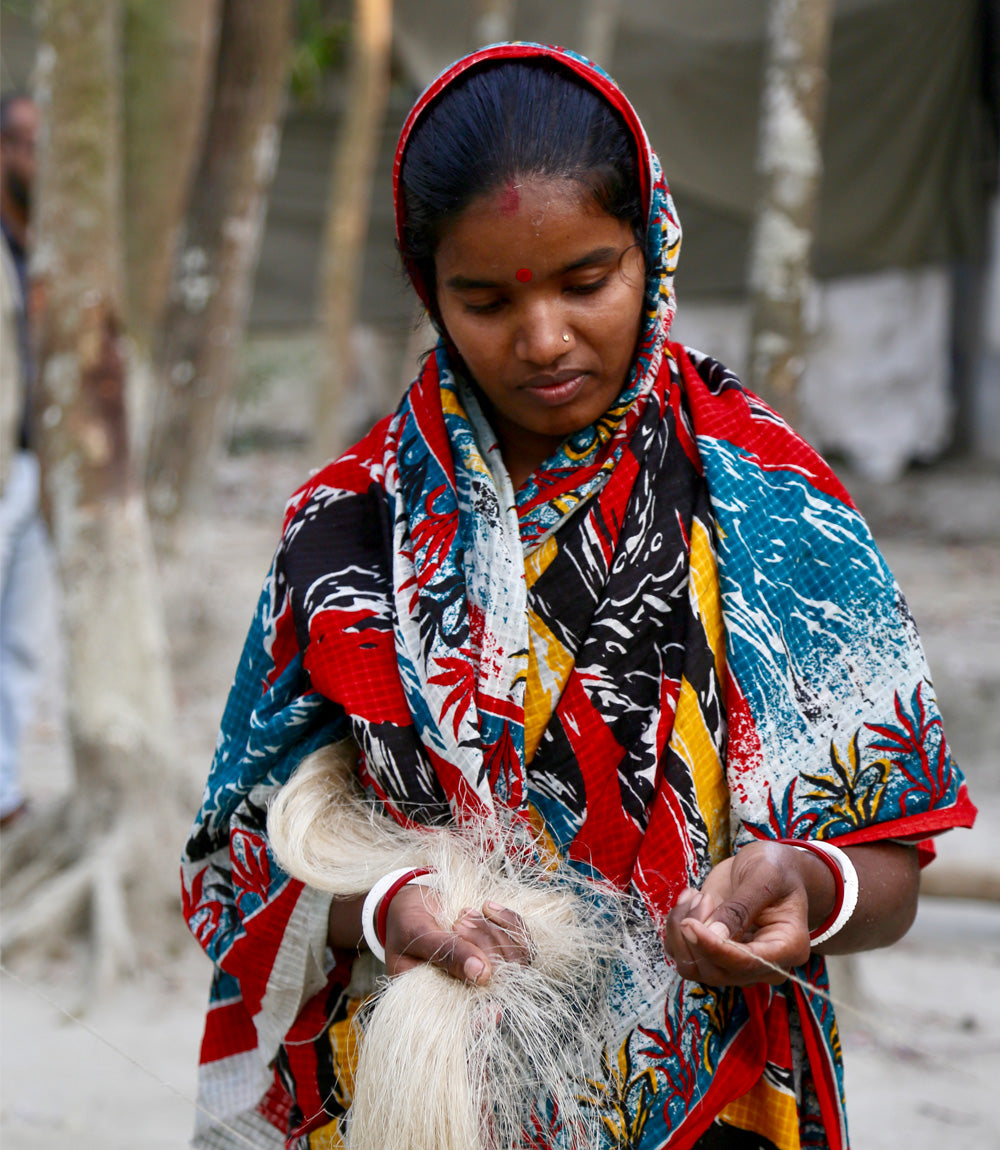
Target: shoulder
(359, 469)
(734, 427)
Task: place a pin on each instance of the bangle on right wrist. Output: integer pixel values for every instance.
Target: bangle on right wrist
(375, 909)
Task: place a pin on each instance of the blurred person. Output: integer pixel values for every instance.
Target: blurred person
(583, 582)
(25, 567)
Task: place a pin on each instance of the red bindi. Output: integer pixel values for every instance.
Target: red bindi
(523, 275)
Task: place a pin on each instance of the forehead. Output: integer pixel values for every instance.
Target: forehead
(542, 225)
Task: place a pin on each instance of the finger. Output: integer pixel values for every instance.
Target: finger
(458, 956)
(756, 901)
(694, 904)
(723, 962)
(497, 943)
(519, 947)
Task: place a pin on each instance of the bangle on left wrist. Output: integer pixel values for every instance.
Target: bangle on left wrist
(845, 879)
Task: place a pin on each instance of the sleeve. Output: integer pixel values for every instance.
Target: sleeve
(265, 931)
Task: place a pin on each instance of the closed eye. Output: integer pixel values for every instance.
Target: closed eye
(587, 288)
(490, 308)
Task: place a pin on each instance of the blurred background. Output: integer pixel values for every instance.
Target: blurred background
(216, 307)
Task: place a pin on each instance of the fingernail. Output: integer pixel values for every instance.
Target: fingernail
(695, 900)
(689, 935)
(496, 906)
(474, 969)
(720, 929)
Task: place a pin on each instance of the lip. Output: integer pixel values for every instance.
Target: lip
(558, 388)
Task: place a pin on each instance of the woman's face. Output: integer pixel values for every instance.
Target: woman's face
(541, 292)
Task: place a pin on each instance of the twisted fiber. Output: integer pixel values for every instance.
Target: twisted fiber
(446, 1065)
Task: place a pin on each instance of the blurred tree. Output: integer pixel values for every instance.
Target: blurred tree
(108, 835)
(213, 272)
(493, 22)
(348, 210)
(169, 52)
(789, 161)
(321, 39)
(598, 30)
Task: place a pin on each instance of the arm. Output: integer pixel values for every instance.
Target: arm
(769, 896)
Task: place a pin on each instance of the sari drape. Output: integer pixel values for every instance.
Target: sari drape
(676, 637)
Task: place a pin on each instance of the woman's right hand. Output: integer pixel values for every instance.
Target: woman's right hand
(478, 939)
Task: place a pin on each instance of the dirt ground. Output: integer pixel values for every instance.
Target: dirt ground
(922, 1020)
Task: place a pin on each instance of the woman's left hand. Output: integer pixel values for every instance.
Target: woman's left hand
(759, 898)
(770, 895)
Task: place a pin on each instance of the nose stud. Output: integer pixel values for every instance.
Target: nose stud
(565, 337)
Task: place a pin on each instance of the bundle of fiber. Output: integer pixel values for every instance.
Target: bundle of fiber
(445, 1064)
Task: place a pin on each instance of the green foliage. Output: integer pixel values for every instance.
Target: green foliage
(17, 7)
(321, 40)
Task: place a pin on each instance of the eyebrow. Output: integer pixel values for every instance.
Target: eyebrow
(597, 256)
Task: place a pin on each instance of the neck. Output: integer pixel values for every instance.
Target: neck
(523, 451)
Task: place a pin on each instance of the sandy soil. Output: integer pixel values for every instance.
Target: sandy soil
(922, 1034)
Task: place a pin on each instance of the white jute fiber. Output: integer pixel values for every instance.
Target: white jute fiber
(446, 1065)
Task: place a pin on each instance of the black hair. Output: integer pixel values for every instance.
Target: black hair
(512, 120)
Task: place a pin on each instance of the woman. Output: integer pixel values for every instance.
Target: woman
(583, 576)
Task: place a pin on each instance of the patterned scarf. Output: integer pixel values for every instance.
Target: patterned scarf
(676, 637)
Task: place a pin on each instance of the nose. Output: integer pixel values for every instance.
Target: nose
(539, 338)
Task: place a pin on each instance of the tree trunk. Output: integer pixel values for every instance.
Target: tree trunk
(213, 274)
(348, 210)
(120, 706)
(169, 51)
(599, 30)
(789, 163)
(494, 22)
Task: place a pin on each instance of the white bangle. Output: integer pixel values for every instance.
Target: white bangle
(850, 879)
(369, 909)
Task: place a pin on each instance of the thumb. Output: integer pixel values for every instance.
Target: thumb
(737, 914)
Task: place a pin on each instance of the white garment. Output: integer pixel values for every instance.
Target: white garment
(26, 596)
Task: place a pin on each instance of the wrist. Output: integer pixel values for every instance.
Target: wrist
(819, 883)
(844, 877)
(375, 911)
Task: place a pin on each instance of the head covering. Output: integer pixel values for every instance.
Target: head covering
(581, 465)
(663, 231)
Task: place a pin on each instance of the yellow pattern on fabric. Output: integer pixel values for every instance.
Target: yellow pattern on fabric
(346, 1047)
(693, 743)
(450, 404)
(327, 1138)
(543, 839)
(549, 663)
(537, 563)
(768, 1111)
(704, 591)
(692, 739)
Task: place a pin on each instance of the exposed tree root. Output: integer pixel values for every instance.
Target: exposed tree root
(56, 885)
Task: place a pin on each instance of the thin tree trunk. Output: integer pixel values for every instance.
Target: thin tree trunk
(169, 51)
(213, 275)
(348, 211)
(789, 163)
(494, 22)
(599, 29)
(120, 698)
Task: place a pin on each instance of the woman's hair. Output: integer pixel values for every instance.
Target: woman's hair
(511, 121)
